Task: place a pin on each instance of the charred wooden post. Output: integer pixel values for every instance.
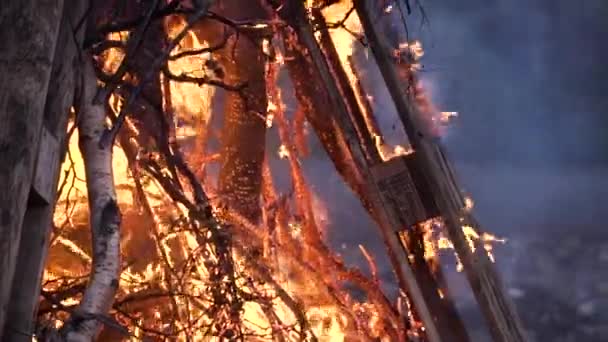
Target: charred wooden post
(366, 106)
(350, 100)
(294, 14)
(400, 182)
(37, 222)
(498, 309)
(28, 30)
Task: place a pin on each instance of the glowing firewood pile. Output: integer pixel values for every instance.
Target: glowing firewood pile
(211, 247)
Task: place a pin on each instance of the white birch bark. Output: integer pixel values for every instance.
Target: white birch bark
(85, 322)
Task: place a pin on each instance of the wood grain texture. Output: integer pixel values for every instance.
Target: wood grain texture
(38, 217)
(295, 16)
(497, 307)
(28, 32)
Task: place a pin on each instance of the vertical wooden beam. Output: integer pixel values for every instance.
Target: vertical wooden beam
(497, 307)
(37, 222)
(28, 32)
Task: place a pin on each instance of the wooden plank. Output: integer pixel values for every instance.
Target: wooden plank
(295, 16)
(28, 32)
(38, 218)
(399, 191)
(357, 117)
(496, 306)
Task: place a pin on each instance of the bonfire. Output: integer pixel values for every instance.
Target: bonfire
(186, 158)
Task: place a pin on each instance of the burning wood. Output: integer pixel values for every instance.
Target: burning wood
(237, 260)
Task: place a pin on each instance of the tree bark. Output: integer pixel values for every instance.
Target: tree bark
(28, 31)
(38, 219)
(104, 217)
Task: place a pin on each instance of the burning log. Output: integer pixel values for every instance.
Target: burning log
(496, 306)
(85, 321)
(244, 128)
(364, 134)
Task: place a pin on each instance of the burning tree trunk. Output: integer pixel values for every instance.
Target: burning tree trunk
(244, 128)
(84, 323)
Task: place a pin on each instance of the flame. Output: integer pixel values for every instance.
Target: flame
(468, 203)
(435, 240)
(283, 151)
(386, 153)
(344, 40)
(191, 104)
(446, 117)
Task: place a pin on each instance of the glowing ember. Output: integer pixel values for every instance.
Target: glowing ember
(269, 118)
(468, 203)
(283, 152)
(387, 153)
(435, 240)
(447, 116)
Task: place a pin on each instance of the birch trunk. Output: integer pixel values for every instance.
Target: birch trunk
(85, 322)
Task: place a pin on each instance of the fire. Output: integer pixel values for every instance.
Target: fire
(168, 262)
(344, 40)
(468, 203)
(445, 117)
(283, 151)
(386, 153)
(435, 240)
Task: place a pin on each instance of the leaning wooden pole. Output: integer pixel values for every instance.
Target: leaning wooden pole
(496, 306)
(28, 31)
(427, 273)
